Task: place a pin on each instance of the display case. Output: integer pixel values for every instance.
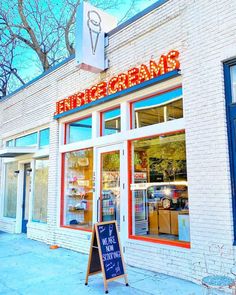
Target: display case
(140, 204)
(78, 189)
(108, 205)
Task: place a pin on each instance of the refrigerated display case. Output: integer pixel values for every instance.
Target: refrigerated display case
(140, 203)
(108, 205)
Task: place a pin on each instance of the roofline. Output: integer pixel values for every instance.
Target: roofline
(53, 68)
(137, 16)
(112, 32)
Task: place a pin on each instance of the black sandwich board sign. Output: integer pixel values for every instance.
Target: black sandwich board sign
(105, 253)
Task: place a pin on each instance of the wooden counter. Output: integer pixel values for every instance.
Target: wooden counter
(163, 220)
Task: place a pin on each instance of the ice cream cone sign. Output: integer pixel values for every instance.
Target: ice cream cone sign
(94, 26)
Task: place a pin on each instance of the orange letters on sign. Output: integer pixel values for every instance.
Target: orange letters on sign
(134, 76)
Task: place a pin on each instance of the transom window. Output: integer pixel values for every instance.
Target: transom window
(40, 138)
(79, 130)
(157, 109)
(110, 121)
(27, 140)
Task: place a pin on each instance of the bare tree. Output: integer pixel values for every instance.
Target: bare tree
(44, 27)
(8, 72)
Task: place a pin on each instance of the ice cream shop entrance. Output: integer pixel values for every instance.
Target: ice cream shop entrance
(110, 184)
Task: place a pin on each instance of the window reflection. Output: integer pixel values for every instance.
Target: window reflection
(111, 122)
(80, 130)
(110, 186)
(27, 140)
(79, 189)
(40, 197)
(159, 188)
(10, 194)
(233, 82)
(157, 109)
(44, 137)
(10, 143)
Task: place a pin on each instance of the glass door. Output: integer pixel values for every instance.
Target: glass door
(109, 183)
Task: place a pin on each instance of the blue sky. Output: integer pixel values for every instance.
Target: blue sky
(27, 60)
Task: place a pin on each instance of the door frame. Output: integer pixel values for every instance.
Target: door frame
(230, 108)
(123, 201)
(24, 222)
(20, 192)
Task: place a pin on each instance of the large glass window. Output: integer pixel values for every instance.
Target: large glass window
(78, 189)
(159, 188)
(111, 122)
(10, 193)
(27, 140)
(44, 137)
(233, 82)
(79, 130)
(157, 109)
(31, 139)
(40, 197)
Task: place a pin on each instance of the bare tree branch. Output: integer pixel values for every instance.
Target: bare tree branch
(70, 22)
(41, 54)
(41, 33)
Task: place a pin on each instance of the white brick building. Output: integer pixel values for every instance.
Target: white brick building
(146, 145)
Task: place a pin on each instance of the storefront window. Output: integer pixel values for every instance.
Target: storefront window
(10, 143)
(10, 194)
(40, 197)
(157, 109)
(159, 188)
(78, 201)
(80, 130)
(111, 122)
(27, 140)
(44, 137)
(233, 82)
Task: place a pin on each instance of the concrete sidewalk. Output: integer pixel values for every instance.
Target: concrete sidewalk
(30, 267)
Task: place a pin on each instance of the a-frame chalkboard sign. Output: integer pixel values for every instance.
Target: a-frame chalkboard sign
(105, 254)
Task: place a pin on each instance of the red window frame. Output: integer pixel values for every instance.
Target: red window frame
(101, 117)
(130, 213)
(147, 97)
(62, 207)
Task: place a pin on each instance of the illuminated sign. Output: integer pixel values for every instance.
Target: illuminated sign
(134, 76)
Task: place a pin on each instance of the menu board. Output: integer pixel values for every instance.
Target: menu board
(105, 253)
(111, 252)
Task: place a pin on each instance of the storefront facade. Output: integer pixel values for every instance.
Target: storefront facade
(146, 142)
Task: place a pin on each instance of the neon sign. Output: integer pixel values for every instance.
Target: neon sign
(134, 76)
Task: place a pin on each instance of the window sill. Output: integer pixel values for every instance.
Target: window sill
(76, 228)
(180, 244)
